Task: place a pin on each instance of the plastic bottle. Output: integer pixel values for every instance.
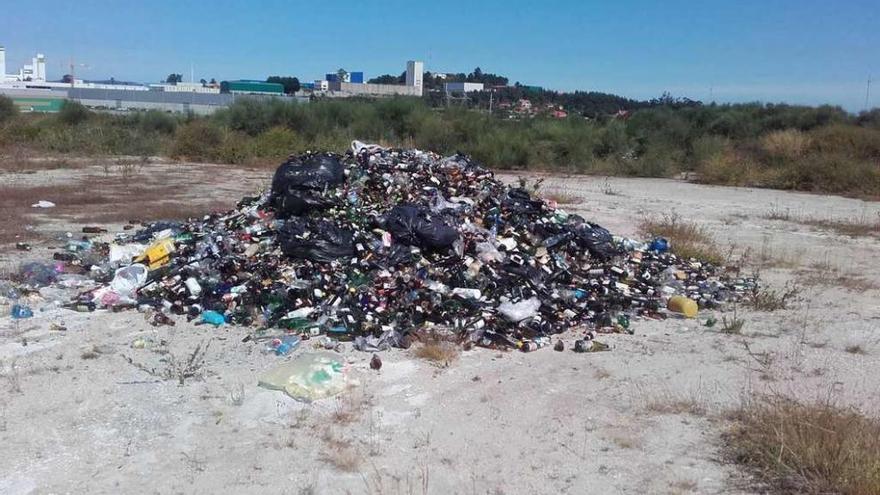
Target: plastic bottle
(193, 286)
(286, 345)
(682, 305)
(659, 245)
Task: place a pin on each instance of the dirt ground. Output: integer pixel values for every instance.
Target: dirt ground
(647, 417)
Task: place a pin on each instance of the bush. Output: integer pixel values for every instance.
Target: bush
(788, 144)
(156, 121)
(850, 140)
(73, 113)
(727, 168)
(829, 173)
(8, 110)
(197, 140)
(277, 143)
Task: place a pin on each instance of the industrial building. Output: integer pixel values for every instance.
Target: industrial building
(251, 88)
(32, 92)
(186, 87)
(35, 71)
(462, 87)
(336, 86)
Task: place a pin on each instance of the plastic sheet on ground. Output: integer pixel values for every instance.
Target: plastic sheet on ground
(308, 377)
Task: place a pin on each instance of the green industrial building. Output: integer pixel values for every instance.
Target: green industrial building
(251, 88)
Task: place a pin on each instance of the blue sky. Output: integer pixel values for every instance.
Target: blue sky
(773, 50)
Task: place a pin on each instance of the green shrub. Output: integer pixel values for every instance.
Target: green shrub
(197, 140)
(8, 110)
(156, 121)
(829, 173)
(73, 113)
(235, 149)
(277, 143)
(706, 148)
(850, 140)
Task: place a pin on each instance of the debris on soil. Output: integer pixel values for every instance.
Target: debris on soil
(379, 244)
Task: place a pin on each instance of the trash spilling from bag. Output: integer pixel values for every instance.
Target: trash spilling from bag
(377, 245)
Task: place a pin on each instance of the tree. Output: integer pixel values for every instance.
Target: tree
(174, 78)
(112, 80)
(389, 79)
(203, 81)
(8, 109)
(213, 82)
(73, 112)
(67, 79)
(291, 84)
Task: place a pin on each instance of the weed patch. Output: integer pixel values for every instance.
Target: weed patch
(806, 447)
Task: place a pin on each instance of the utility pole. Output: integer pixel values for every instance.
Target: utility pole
(491, 98)
(867, 92)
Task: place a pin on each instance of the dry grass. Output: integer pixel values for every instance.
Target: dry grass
(767, 299)
(669, 402)
(688, 240)
(806, 447)
(683, 486)
(856, 349)
(92, 353)
(439, 352)
(681, 405)
(601, 374)
(862, 226)
(349, 407)
(732, 326)
(340, 454)
(561, 197)
(626, 441)
(787, 144)
(823, 274)
(96, 199)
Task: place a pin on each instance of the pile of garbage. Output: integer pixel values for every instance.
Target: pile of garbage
(378, 245)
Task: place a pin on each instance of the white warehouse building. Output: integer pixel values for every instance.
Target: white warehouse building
(462, 87)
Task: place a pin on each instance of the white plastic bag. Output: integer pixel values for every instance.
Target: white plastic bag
(517, 312)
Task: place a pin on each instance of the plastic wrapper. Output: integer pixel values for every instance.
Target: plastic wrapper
(519, 311)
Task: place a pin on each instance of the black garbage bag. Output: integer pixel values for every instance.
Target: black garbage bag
(317, 241)
(417, 226)
(146, 234)
(299, 182)
(597, 240)
(520, 201)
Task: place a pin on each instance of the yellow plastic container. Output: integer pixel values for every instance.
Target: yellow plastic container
(682, 305)
(158, 254)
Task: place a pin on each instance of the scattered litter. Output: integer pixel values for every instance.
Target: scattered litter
(43, 204)
(682, 305)
(213, 318)
(20, 311)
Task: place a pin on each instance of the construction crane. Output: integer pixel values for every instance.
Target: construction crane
(73, 67)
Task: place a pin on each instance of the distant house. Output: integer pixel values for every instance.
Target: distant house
(559, 114)
(621, 114)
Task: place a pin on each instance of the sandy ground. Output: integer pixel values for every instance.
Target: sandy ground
(77, 417)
